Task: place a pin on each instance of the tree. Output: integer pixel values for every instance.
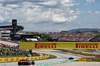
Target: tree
(28, 33)
(79, 32)
(94, 31)
(45, 37)
(63, 31)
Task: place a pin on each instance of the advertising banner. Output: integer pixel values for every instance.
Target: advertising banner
(59, 45)
(82, 59)
(22, 58)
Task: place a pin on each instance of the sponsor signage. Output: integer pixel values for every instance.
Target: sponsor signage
(87, 45)
(22, 58)
(45, 45)
(82, 59)
(4, 31)
(59, 45)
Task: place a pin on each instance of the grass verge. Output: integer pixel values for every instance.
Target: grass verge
(52, 57)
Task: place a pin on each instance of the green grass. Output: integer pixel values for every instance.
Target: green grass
(89, 60)
(52, 57)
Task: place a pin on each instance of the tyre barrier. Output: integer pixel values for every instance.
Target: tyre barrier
(23, 58)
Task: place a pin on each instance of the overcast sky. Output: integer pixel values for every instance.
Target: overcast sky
(51, 15)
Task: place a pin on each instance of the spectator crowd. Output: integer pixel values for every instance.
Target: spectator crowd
(74, 36)
(7, 50)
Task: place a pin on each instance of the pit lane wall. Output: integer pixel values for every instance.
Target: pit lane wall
(14, 59)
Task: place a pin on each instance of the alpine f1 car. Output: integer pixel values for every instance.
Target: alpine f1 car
(26, 62)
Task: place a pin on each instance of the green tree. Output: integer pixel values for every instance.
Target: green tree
(28, 33)
(94, 31)
(79, 32)
(63, 31)
(45, 37)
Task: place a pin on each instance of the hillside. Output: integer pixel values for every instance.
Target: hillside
(84, 30)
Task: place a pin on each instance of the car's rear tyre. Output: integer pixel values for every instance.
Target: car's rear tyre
(33, 62)
(19, 63)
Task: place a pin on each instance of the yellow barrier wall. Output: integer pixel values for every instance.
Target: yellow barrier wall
(59, 45)
(20, 58)
(82, 60)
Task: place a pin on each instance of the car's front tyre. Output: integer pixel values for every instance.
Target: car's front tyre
(33, 62)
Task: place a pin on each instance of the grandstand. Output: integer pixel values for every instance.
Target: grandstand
(9, 31)
(14, 32)
(75, 37)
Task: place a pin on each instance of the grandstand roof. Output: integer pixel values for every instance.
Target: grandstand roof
(10, 27)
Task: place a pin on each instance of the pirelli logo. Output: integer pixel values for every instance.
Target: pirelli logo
(45, 45)
(87, 45)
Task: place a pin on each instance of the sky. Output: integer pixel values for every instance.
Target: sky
(51, 15)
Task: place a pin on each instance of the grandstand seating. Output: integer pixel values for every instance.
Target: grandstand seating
(81, 37)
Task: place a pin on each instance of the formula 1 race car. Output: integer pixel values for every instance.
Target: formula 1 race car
(26, 62)
(70, 58)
